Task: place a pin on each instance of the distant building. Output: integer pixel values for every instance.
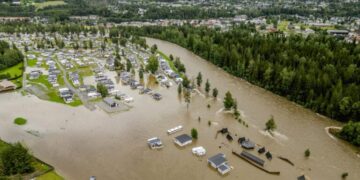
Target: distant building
(338, 32)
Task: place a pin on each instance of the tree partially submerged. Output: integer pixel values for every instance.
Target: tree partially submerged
(228, 101)
(270, 124)
(16, 160)
(102, 90)
(194, 133)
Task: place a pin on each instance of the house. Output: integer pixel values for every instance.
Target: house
(66, 94)
(199, 151)
(6, 85)
(219, 162)
(183, 140)
(34, 74)
(110, 102)
(246, 143)
(155, 143)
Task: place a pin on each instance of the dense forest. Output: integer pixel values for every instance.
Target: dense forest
(9, 56)
(320, 72)
(351, 133)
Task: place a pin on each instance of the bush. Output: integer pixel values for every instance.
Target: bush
(20, 121)
(307, 153)
(270, 124)
(16, 160)
(194, 133)
(344, 175)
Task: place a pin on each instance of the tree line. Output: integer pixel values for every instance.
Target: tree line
(319, 72)
(9, 56)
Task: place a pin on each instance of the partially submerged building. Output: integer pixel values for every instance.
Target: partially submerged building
(155, 143)
(219, 162)
(110, 102)
(183, 140)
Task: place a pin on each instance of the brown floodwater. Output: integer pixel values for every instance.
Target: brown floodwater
(80, 143)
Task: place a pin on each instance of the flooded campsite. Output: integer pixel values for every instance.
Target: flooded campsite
(81, 142)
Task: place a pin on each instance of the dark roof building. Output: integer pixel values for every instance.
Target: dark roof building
(219, 162)
(183, 140)
(253, 158)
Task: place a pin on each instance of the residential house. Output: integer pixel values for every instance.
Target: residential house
(183, 140)
(219, 162)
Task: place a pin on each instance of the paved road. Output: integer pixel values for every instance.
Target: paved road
(82, 97)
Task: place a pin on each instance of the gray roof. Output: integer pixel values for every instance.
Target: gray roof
(109, 100)
(183, 138)
(223, 167)
(218, 159)
(253, 158)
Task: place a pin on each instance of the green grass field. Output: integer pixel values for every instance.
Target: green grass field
(283, 26)
(20, 121)
(48, 3)
(31, 62)
(42, 80)
(52, 92)
(52, 175)
(14, 71)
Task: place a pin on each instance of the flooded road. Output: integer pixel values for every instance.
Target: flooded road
(80, 143)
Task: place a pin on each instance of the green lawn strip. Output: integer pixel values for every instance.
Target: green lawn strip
(31, 62)
(48, 3)
(52, 92)
(14, 71)
(18, 82)
(20, 121)
(43, 79)
(171, 63)
(52, 175)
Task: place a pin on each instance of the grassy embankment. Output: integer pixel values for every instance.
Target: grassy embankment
(15, 73)
(46, 172)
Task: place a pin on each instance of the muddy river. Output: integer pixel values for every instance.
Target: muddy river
(80, 143)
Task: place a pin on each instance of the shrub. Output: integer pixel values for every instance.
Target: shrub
(20, 121)
(194, 133)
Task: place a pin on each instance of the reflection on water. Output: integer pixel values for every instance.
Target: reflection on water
(81, 143)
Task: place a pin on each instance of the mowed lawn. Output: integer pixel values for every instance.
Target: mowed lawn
(14, 71)
(48, 3)
(52, 175)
